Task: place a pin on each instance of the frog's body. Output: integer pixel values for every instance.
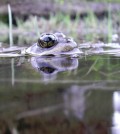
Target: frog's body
(53, 44)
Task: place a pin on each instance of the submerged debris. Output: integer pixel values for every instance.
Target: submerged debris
(100, 48)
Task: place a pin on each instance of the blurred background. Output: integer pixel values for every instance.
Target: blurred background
(81, 19)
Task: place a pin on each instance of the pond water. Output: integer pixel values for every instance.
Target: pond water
(60, 95)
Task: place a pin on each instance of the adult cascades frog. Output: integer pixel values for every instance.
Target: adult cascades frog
(53, 44)
(48, 44)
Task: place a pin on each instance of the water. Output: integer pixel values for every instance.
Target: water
(60, 95)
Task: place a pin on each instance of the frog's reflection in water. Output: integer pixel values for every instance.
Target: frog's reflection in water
(50, 66)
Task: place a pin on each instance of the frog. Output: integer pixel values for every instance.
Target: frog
(53, 44)
(48, 44)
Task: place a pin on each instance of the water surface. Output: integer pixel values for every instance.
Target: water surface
(60, 95)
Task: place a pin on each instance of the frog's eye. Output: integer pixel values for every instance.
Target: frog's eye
(42, 43)
(47, 41)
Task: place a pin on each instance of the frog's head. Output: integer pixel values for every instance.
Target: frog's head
(47, 40)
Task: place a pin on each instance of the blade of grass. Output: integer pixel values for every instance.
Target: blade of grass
(11, 44)
(110, 29)
(10, 26)
(36, 27)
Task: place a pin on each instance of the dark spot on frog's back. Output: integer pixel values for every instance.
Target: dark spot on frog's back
(67, 49)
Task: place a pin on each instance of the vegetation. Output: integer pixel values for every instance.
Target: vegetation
(90, 27)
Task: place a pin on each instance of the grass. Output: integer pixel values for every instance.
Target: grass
(11, 44)
(10, 26)
(36, 27)
(110, 29)
(91, 23)
(87, 28)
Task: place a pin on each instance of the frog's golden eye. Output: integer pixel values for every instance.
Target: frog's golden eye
(47, 41)
(50, 43)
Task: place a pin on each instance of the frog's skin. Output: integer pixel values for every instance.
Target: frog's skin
(53, 44)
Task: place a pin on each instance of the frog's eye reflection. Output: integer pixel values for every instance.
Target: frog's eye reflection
(47, 70)
(47, 41)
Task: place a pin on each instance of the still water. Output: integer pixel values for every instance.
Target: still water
(60, 95)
